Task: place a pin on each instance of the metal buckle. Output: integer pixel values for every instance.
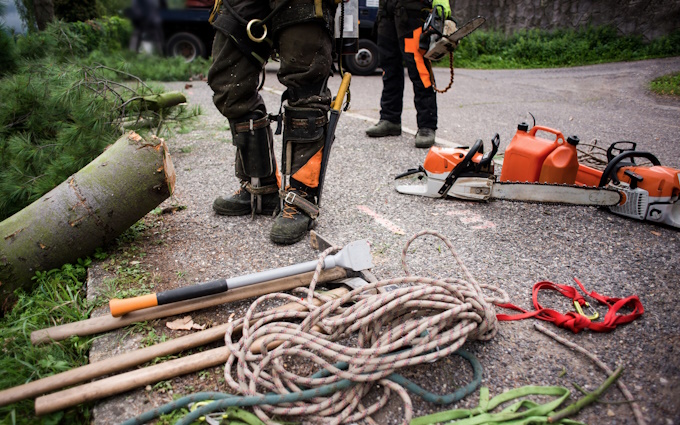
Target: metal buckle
(292, 196)
(579, 310)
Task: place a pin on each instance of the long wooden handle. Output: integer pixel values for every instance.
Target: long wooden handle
(130, 380)
(136, 378)
(342, 90)
(110, 365)
(107, 322)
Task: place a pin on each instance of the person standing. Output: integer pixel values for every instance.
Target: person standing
(399, 28)
(147, 24)
(247, 32)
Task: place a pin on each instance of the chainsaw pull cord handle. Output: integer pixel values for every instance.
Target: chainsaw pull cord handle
(609, 172)
(464, 165)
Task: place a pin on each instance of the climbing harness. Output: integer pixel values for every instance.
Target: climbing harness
(577, 321)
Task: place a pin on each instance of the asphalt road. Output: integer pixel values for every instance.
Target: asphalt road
(507, 244)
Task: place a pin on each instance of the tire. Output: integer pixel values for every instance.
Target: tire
(186, 45)
(365, 61)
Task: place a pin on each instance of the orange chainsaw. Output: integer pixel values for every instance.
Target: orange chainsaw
(536, 169)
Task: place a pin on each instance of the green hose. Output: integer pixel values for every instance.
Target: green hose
(223, 401)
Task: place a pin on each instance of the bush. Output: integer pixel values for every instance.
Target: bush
(76, 11)
(540, 49)
(666, 85)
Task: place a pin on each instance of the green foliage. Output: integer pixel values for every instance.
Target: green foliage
(9, 55)
(153, 68)
(74, 11)
(58, 298)
(107, 35)
(540, 49)
(51, 125)
(667, 85)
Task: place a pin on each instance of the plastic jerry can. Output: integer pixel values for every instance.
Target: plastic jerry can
(561, 165)
(526, 153)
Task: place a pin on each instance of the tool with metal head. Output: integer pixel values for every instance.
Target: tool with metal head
(355, 256)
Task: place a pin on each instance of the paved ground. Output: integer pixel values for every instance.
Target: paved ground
(510, 245)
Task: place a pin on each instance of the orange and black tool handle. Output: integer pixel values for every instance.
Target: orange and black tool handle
(120, 307)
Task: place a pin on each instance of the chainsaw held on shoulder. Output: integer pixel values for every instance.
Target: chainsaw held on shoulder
(548, 171)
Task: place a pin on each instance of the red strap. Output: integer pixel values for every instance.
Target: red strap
(572, 320)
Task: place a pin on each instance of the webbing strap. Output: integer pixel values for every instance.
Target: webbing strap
(572, 320)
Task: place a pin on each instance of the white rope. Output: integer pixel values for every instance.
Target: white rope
(420, 322)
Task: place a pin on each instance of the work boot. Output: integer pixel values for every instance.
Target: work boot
(292, 224)
(424, 138)
(384, 128)
(239, 203)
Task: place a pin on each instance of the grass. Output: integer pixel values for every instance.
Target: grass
(60, 297)
(666, 85)
(560, 48)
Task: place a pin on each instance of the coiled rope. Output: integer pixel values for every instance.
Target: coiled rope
(357, 348)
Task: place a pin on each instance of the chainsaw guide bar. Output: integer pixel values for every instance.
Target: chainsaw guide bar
(561, 194)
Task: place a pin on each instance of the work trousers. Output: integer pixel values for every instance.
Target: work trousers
(399, 30)
(305, 53)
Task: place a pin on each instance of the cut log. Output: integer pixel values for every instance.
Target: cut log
(88, 210)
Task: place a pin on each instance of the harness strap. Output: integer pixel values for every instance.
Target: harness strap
(292, 198)
(574, 321)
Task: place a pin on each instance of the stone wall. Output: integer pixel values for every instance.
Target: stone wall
(650, 18)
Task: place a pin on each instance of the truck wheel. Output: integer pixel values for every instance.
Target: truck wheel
(365, 60)
(186, 45)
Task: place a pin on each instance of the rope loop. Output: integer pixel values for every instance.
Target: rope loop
(355, 341)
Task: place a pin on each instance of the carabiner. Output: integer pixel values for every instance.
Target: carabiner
(579, 310)
(250, 34)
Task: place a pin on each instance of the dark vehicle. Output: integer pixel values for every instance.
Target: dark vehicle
(188, 34)
(365, 60)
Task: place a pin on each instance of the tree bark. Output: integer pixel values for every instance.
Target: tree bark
(89, 210)
(44, 13)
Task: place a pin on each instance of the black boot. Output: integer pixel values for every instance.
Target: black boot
(240, 203)
(295, 219)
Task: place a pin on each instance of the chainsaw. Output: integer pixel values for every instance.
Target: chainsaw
(441, 36)
(539, 170)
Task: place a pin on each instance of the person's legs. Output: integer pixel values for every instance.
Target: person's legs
(305, 50)
(392, 97)
(425, 99)
(234, 78)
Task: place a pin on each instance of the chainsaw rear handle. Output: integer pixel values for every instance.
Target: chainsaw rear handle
(609, 173)
(558, 134)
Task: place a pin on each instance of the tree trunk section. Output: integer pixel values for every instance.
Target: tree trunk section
(89, 210)
(44, 13)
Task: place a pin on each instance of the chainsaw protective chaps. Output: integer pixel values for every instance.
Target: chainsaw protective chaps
(304, 131)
